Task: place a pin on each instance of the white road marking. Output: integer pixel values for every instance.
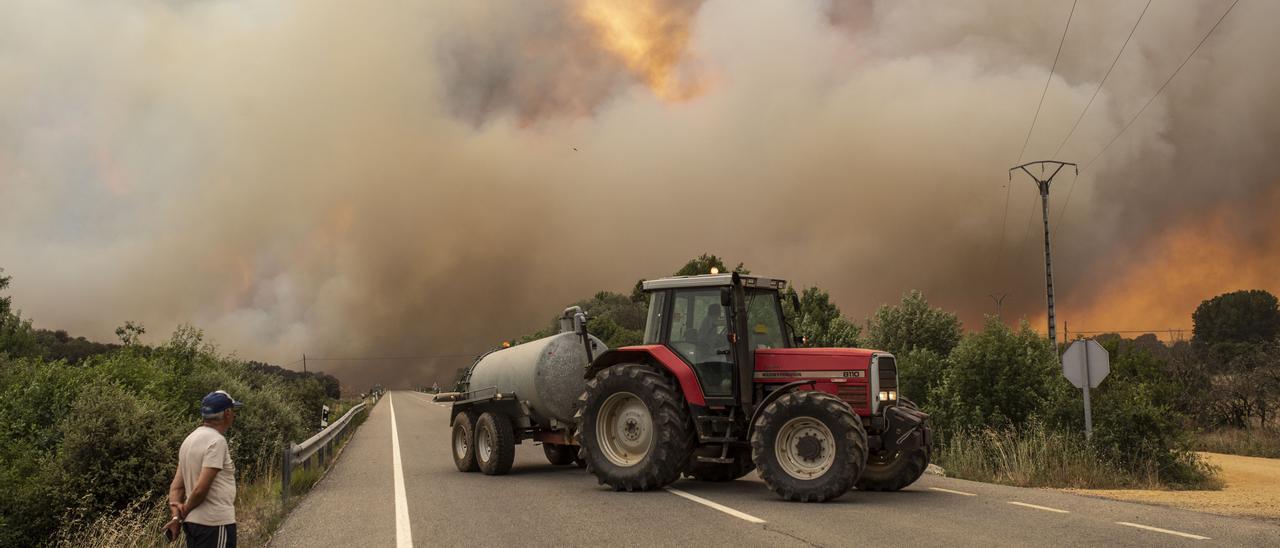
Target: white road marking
(1045, 508)
(404, 535)
(715, 505)
(952, 492)
(1159, 530)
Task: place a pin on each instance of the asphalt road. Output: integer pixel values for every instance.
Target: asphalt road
(538, 504)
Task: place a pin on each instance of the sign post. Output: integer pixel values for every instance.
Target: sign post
(1085, 364)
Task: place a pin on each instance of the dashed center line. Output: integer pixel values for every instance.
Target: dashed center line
(1037, 507)
(953, 492)
(715, 505)
(1165, 531)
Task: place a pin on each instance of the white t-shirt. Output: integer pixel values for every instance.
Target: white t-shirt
(206, 448)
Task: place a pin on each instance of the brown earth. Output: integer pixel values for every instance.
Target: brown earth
(1251, 489)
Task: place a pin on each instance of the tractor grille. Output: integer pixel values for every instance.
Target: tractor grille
(855, 395)
(888, 374)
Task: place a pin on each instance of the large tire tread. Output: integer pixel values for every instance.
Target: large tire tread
(835, 482)
(466, 421)
(504, 444)
(671, 425)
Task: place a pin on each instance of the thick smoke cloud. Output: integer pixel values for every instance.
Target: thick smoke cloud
(427, 178)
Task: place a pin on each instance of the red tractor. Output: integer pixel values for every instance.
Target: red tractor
(718, 389)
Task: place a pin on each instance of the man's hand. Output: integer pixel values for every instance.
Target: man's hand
(182, 511)
(173, 530)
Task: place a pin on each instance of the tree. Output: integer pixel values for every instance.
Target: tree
(4, 301)
(703, 264)
(819, 320)
(1227, 325)
(997, 377)
(913, 324)
(130, 333)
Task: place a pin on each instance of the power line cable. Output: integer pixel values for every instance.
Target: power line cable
(1103, 81)
(1162, 86)
(1046, 82)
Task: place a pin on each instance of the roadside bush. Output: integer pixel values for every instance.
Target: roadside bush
(115, 448)
(920, 374)
(998, 377)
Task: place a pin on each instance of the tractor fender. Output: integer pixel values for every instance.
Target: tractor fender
(751, 426)
(658, 356)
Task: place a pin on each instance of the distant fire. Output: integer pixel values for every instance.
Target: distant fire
(650, 37)
(1185, 265)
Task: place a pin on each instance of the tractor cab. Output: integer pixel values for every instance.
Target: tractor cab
(715, 323)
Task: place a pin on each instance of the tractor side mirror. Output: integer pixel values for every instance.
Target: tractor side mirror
(726, 297)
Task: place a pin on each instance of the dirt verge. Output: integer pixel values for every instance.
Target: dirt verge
(1252, 489)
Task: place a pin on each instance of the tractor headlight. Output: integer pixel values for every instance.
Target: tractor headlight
(884, 396)
(893, 395)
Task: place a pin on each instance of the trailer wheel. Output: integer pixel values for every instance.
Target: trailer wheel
(559, 455)
(634, 428)
(718, 472)
(464, 442)
(495, 444)
(809, 446)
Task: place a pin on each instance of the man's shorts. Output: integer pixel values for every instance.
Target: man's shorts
(210, 536)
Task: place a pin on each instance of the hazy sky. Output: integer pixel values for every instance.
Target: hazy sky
(430, 177)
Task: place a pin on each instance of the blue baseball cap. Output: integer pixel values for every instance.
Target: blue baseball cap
(217, 402)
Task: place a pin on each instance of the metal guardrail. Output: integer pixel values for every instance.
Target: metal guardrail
(321, 446)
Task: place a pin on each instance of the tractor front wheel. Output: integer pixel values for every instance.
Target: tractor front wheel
(634, 429)
(809, 446)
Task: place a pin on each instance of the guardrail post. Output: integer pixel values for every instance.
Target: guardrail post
(286, 471)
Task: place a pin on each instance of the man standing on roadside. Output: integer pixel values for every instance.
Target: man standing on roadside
(202, 495)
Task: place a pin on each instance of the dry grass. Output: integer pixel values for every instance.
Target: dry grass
(1250, 442)
(1035, 456)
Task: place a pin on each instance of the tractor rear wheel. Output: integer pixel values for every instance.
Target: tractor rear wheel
(495, 444)
(719, 472)
(464, 442)
(559, 455)
(809, 446)
(634, 430)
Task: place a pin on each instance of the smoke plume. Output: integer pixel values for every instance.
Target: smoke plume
(425, 178)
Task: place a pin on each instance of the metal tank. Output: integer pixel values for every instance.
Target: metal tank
(546, 374)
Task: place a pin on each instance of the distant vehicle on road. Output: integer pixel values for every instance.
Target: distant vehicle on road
(717, 389)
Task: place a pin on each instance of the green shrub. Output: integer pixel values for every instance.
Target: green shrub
(998, 377)
(115, 449)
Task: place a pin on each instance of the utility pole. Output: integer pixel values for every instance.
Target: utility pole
(999, 299)
(304, 363)
(1043, 185)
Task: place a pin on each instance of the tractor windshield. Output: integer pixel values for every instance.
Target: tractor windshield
(764, 320)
